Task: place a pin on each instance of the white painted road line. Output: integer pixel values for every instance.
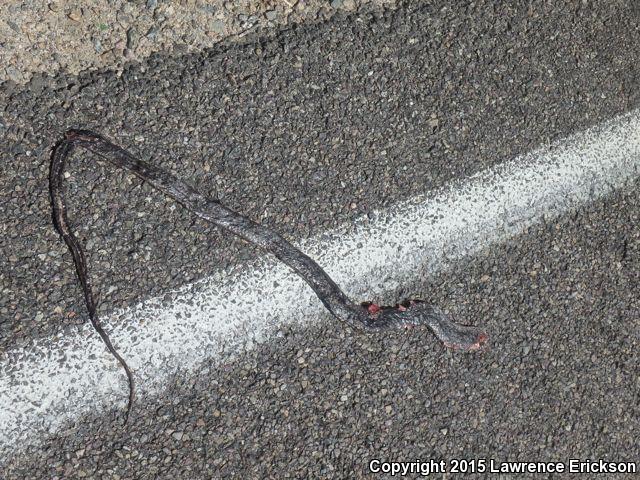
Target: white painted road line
(59, 379)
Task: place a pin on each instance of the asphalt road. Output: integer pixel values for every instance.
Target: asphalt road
(307, 130)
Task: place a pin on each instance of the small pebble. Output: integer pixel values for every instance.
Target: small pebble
(75, 15)
(218, 26)
(271, 15)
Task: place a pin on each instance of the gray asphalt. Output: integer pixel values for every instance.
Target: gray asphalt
(284, 129)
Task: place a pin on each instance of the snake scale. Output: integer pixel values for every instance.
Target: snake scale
(365, 316)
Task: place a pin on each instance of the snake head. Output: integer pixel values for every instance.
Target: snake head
(416, 313)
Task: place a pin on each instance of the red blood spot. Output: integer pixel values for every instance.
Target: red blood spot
(373, 308)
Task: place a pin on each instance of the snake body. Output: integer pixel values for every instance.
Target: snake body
(366, 316)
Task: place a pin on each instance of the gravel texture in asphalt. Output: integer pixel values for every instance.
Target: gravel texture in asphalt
(305, 131)
(57, 35)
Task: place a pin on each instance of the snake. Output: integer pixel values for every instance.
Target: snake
(361, 317)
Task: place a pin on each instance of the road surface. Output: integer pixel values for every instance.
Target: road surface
(320, 132)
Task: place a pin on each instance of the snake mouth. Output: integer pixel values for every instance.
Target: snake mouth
(480, 343)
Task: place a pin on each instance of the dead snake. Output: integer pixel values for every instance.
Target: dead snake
(366, 316)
